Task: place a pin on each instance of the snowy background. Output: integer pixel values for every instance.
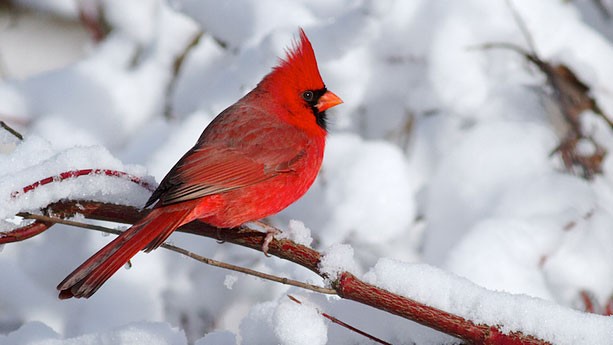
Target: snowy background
(438, 169)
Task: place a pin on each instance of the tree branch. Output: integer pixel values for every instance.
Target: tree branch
(347, 286)
(176, 249)
(350, 287)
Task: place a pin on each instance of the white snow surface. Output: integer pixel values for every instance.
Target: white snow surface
(336, 259)
(297, 232)
(438, 178)
(290, 316)
(561, 326)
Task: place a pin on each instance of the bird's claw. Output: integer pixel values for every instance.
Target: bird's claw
(270, 236)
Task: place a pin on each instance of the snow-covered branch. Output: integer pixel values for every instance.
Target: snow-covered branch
(347, 285)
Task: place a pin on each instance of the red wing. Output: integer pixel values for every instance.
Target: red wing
(213, 170)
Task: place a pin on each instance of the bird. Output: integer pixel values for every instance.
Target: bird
(254, 159)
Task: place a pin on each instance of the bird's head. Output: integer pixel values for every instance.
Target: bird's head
(298, 85)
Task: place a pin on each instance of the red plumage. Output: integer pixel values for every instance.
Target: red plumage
(254, 159)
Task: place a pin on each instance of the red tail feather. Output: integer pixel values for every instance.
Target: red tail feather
(147, 234)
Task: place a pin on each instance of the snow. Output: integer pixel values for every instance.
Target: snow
(385, 186)
(297, 232)
(337, 259)
(289, 316)
(438, 178)
(462, 297)
(494, 169)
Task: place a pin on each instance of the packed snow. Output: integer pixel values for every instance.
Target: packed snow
(560, 326)
(296, 232)
(438, 182)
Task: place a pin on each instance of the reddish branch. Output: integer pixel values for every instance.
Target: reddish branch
(24, 232)
(589, 303)
(350, 287)
(83, 172)
(347, 286)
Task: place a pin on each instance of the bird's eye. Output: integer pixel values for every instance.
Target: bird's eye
(308, 96)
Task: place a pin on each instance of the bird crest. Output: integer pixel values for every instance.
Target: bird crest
(300, 64)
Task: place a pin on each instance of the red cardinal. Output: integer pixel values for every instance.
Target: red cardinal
(253, 160)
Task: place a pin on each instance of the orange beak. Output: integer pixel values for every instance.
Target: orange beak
(327, 101)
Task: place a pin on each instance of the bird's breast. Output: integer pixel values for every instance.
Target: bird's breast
(257, 201)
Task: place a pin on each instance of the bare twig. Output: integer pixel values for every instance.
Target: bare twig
(11, 130)
(55, 220)
(344, 324)
(251, 272)
(522, 26)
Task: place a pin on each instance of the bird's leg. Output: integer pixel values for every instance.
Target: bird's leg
(270, 235)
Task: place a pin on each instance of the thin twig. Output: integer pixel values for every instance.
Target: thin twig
(11, 130)
(343, 324)
(513, 47)
(248, 271)
(188, 253)
(522, 26)
(27, 215)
